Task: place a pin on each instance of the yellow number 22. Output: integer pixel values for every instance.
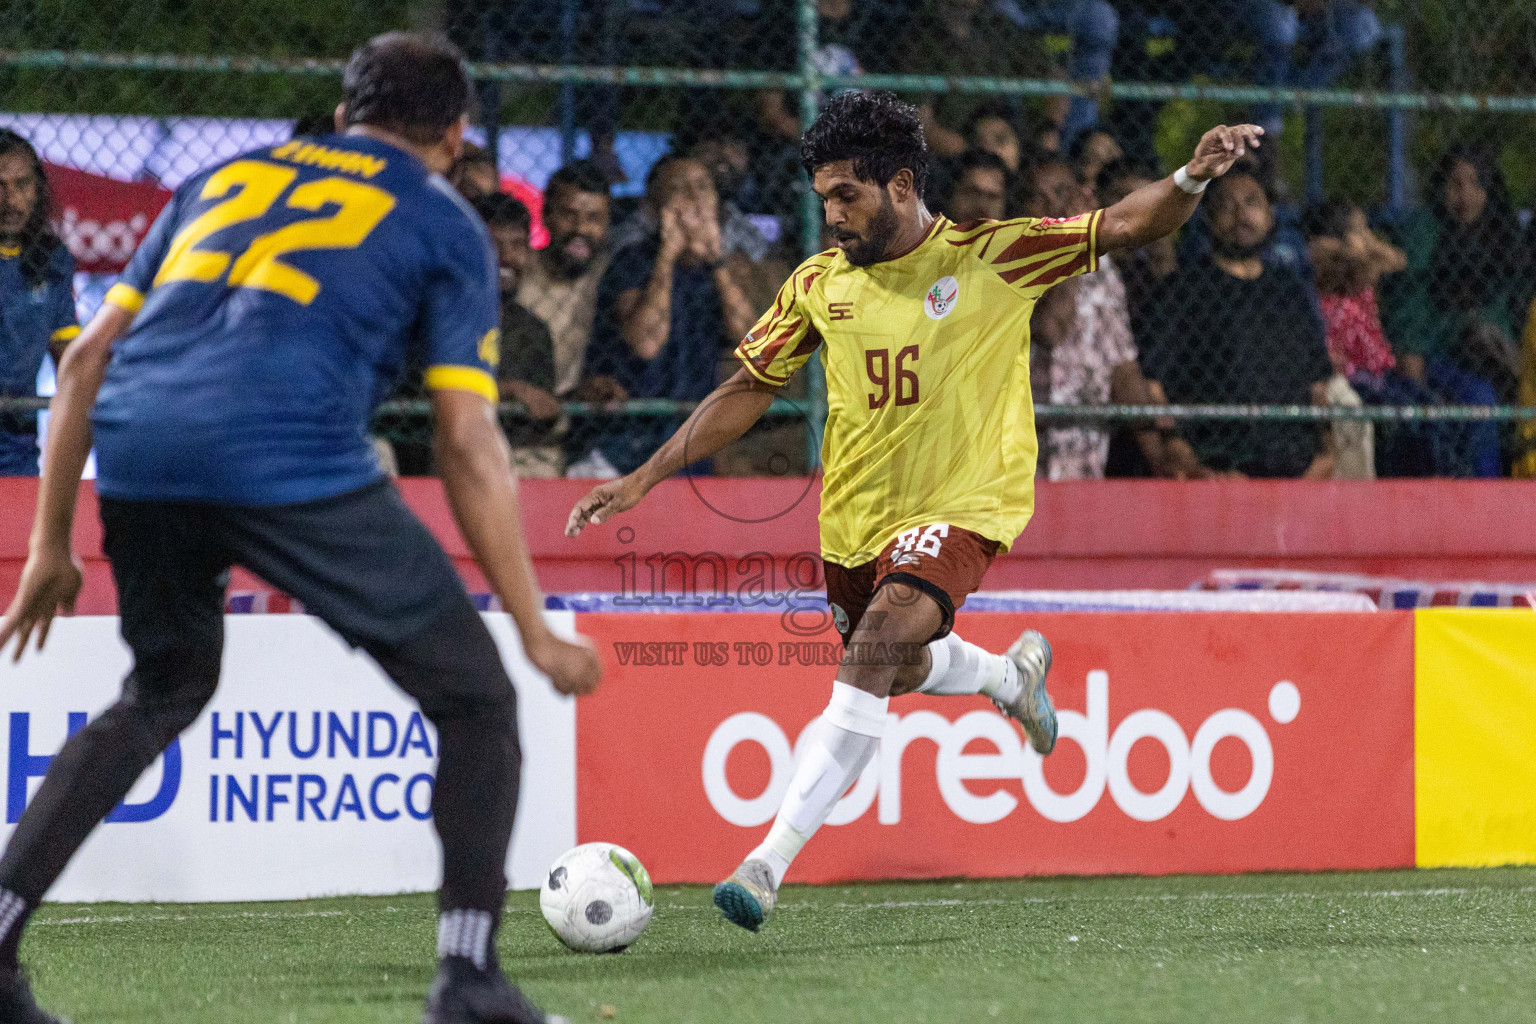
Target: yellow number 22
(359, 209)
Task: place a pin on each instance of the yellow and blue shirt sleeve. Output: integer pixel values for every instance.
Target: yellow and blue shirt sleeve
(461, 319)
(134, 283)
(63, 325)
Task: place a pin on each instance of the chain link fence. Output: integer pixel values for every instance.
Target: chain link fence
(1358, 303)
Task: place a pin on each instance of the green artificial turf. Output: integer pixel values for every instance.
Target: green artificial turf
(1402, 946)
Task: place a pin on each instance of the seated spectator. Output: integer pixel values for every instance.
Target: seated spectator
(1042, 134)
(560, 285)
(526, 372)
(37, 297)
(964, 38)
(1142, 269)
(724, 152)
(1229, 328)
(1349, 261)
(667, 307)
(979, 188)
(1091, 152)
(992, 129)
(1082, 352)
(725, 155)
(475, 173)
(1287, 246)
(1453, 312)
(1047, 183)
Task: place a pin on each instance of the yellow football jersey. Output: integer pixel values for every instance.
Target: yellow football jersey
(929, 414)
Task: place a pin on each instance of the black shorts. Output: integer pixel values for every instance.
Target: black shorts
(362, 562)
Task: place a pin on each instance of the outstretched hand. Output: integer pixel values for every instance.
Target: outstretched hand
(1221, 147)
(602, 502)
(49, 584)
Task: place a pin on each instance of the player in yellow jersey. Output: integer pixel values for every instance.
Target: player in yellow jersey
(929, 455)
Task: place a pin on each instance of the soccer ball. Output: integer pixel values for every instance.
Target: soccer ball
(597, 898)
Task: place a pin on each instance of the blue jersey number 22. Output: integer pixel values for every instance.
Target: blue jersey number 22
(360, 207)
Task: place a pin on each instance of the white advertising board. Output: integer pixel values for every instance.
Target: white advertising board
(309, 774)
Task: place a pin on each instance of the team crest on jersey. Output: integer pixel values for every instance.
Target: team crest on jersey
(942, 298)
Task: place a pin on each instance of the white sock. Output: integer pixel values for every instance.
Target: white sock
(960, 667)
(465, 933)
(836, 752)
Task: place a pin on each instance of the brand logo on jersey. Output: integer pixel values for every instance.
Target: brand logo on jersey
(840, 310)
(941, 298)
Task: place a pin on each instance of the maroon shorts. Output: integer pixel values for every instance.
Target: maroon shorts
(943, 561)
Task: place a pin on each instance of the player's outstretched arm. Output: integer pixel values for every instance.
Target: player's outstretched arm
(1162, 208)
(51, 580)
(476, 468)
(724, 416)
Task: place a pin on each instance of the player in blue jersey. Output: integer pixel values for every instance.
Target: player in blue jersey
(227, 384)
(37, 295)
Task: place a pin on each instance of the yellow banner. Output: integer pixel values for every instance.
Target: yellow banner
(1475, 737)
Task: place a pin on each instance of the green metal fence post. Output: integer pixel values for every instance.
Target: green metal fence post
(810, 221)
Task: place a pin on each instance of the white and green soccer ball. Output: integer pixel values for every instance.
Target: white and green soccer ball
(597, 898)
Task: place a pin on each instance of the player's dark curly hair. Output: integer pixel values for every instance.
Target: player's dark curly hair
(875, 130)
(38, 240)
(411, 83)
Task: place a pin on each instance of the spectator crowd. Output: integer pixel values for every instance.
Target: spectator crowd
(1258, 301)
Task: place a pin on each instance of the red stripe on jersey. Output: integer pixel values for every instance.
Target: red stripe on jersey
(809, 342)
(1033, 247)
(991, 228)
(1047, 273)
(768, 351)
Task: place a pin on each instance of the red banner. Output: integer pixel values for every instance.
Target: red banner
(1190, 743)
(103, 220)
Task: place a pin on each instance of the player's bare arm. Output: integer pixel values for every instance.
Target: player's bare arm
(476, 468)
(1162, 208)
(51, 580)
(724, 416)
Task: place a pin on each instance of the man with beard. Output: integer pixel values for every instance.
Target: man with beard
(37, 299)
(923, 329)
(667, 309)
(725, 156)
(980, 189)
(1231, 328)
(526, 373)
(560, 286)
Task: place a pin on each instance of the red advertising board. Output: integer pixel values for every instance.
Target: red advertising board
(103, 220)
(1190, 743)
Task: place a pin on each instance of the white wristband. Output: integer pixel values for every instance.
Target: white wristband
(1182, 179)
